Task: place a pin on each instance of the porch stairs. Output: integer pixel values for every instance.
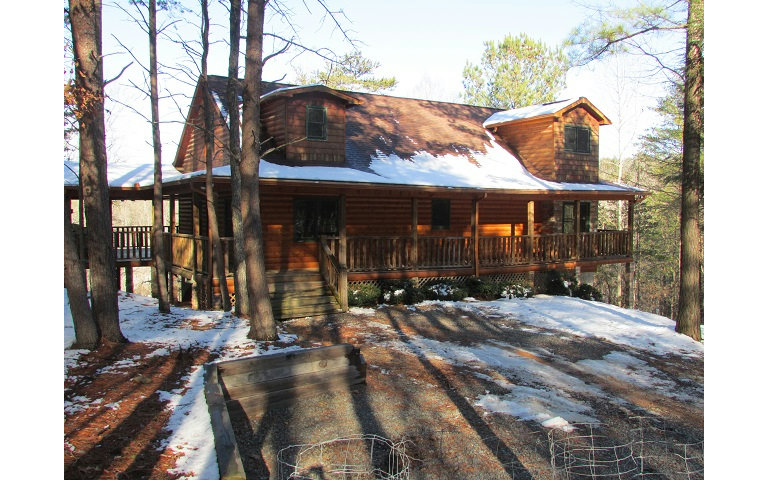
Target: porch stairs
(298, 293)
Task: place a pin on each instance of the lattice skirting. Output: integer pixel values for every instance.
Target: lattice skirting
(511, 278)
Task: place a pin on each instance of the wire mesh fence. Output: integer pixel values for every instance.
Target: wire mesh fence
(651, 451)
(663, 452)
(582, 452)
(358, 457)
(644, 449)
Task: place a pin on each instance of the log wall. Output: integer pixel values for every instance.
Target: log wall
(577, 167)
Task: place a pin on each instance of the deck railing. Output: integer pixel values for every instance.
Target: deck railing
(132, 243)
(397, 253)
(389, 253)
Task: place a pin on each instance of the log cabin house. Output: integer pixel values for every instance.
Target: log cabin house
(362, 187)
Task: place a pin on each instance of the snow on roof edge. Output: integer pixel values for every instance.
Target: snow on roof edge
(530, 111)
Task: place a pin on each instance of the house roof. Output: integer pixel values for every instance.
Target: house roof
(545, 109)
(121, 175)
(406, 141)
(397, 141)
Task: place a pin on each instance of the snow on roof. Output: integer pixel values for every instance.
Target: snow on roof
(527, 112)
(121, 174)
(496, 168)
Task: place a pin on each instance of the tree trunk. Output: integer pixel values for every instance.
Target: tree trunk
(241, 284)
(689, 315)
(210, 197)
(161, 276)
(85, 16)
(86, 331)
(259, 307)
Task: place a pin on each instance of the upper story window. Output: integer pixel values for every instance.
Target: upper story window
(441, 214)
(578, 139)
(316, 123)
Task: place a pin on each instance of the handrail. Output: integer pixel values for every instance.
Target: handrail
(331, 270)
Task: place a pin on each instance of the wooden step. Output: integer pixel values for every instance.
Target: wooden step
(309, 311)
(318, 291)
(296, 302)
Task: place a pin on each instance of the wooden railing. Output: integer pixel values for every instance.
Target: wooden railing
(132, 243)
(379, 253)
(437, 252)
(334, 274)
(188, 252)
(388, 253)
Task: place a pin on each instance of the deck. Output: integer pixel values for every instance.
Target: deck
(356, 258)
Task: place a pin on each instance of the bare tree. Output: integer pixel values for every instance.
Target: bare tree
(210, 195)
(158, 257)
(85, 18)
(86, 331)
(262, 320)
(233, 106)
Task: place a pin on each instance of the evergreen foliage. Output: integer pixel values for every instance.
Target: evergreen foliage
(516, 72)
(351, 72)
(365, 295)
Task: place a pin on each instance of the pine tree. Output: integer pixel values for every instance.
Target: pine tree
(514, 73)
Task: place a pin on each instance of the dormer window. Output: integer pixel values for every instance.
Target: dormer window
(316, 123)
(578, 139)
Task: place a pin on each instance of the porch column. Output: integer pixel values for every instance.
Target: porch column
(476, 235)
(577, 226)
(414, 233)
(129, 278)
(195, 234)
(343, 253)
(169, 257)
(529, 231)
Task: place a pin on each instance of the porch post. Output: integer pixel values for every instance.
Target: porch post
(195, 234)
(577, 227)
(129, 278)
(169, 255)
(476, 236)
(414, 233)
(529, 231)
(343, 253)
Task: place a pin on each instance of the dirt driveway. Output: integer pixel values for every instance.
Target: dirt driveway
(474, 392)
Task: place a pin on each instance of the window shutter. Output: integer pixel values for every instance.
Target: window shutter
(583, 140)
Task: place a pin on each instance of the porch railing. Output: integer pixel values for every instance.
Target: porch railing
(334, 274)
(389, 253)
(132, 242)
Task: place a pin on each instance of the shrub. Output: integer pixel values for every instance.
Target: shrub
(483, 289)
(364, 296)
(444, 290)
(517, 290)
(393, 292)
(414, 293)
(587, 292)
(558, 283)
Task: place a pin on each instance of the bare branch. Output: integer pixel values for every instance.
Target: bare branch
(107, 82)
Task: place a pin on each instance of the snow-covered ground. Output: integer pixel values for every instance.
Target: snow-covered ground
(535, 390)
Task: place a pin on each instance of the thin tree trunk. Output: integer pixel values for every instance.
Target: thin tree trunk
(85, 16)
(260, 309)
(689, 314)
(241, 284)
(161, 276)
(210, 197)
(86, 331)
